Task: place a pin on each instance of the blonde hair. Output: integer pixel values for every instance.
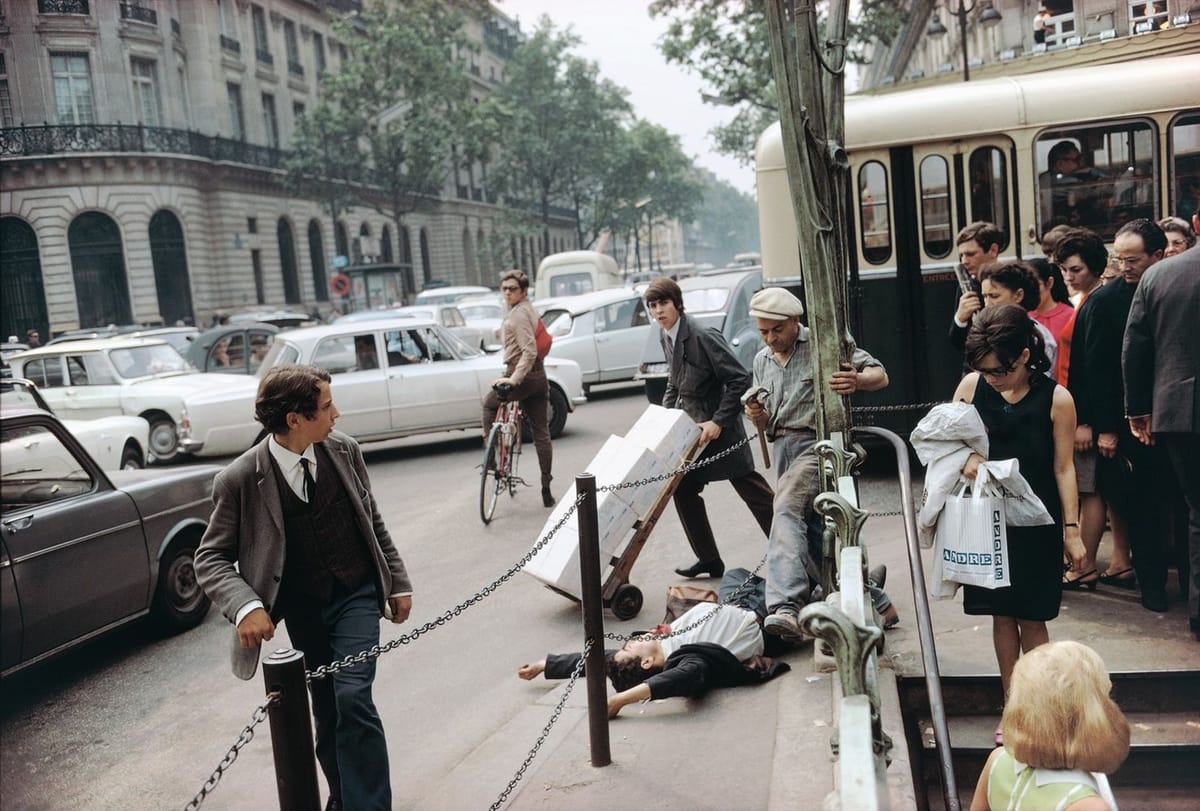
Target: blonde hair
(1059, 714)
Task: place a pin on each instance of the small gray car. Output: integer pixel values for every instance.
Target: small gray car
(83, 551)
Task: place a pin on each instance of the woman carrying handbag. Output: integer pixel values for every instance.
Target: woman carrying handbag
(1032, 419)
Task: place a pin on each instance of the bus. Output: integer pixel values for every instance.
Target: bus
(926, 162)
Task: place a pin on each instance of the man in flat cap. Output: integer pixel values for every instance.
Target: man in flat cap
(784, 367)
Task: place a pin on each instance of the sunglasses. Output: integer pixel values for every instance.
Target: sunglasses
(998, 372)
(509, 288)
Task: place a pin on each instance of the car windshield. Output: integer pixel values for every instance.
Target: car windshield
(706, 300)
(14, 394)
(558, 322)
(280, 353)
(142, 361)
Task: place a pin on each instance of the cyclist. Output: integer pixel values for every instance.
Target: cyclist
(524, 372)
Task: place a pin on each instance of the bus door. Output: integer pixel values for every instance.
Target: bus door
(881, 292)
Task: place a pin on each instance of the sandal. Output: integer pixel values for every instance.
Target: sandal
(1086, 580)
(1123, 579)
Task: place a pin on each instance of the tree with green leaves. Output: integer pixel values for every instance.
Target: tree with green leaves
(384, 131)
(553, 125)
(727, 46)
(725, 223)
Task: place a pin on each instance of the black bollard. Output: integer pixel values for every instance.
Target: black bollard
(291, 732)
(593, 618)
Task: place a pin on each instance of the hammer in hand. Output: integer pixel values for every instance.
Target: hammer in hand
(759, 394)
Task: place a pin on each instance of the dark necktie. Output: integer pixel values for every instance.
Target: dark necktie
(670, 348)
(310, 484)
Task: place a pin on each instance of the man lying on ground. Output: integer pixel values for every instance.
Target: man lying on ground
(718, 645)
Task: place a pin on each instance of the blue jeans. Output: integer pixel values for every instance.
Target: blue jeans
(351, 746)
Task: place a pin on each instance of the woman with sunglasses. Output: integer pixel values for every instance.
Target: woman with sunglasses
(1031, 418)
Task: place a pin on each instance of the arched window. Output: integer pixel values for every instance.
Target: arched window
(937, 234)
(98, 265)
(287, 262)
(405, 247)
(426, 267)
(469, 255)
(22, 293)
(875, 220)
(340, 239)
(316, 256)
(171, 280)
(385, 245)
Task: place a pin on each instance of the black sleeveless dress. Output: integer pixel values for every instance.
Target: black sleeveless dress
(1024, 430)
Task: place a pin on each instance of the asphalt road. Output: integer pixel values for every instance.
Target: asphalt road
(138, 721)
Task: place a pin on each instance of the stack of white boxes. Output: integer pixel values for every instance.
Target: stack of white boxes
(655, 445)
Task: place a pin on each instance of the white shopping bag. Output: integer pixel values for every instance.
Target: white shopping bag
(971, 544)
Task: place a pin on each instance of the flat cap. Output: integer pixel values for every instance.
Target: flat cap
(776, 304)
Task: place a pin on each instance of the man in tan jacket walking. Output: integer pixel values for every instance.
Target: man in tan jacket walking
(524, 372)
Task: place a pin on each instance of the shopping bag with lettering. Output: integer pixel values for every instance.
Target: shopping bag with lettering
(971, 544)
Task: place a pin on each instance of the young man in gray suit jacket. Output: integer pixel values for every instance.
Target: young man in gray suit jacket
(296, 536)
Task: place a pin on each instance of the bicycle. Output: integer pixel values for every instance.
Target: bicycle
(502, 454)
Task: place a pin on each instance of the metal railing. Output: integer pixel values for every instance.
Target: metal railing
(57, 139)
(132, 11)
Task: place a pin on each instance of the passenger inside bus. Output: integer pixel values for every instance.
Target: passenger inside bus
(1072, 194)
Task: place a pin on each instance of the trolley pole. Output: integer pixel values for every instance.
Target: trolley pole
(593, 619)
(291, 732)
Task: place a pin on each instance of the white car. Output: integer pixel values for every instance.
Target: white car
(390, 378)
(449, 295)
(486, 314)
(107, 377)
(603, 332)
(116, 443)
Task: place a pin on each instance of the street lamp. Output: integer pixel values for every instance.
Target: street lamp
(988, 17)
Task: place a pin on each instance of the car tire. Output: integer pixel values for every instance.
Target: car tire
(132, 457)
(179, 602)
(164, 439)
(558, 411)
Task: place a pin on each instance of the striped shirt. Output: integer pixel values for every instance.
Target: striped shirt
(790, 385)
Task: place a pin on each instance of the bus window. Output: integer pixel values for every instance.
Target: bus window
(936, 230)
(1097, 177)
(1185, 166)
(873, 209)
(989, 189)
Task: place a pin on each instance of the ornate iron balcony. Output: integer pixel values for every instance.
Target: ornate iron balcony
(63, 7)
(264, 56)
(133, 138)
(130, 11)
(230, 44)
(295, 68)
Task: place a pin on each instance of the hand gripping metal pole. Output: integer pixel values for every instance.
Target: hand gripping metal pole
(291, 732)
(593, 618)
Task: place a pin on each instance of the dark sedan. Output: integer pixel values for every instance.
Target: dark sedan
(83, 551)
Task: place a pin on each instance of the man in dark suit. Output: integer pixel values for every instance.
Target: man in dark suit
(707, 381)
(1161, 362)
(1126, 470)
(295, 535)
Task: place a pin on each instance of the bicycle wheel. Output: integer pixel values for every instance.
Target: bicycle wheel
(491, 478)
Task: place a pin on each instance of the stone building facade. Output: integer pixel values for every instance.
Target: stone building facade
(1000, 38)
(141, 146)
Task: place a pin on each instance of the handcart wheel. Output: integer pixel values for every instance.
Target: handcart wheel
(627, 602)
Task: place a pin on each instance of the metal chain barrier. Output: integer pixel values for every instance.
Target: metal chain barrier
(562, 702)
(887, 409)
(246, 735)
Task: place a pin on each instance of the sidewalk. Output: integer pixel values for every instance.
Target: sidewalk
(767, 747)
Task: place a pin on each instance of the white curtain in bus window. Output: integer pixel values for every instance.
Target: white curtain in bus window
(936, 229)
(873, 210)
(1185, 165)
(1097, 177)
(988, 172)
